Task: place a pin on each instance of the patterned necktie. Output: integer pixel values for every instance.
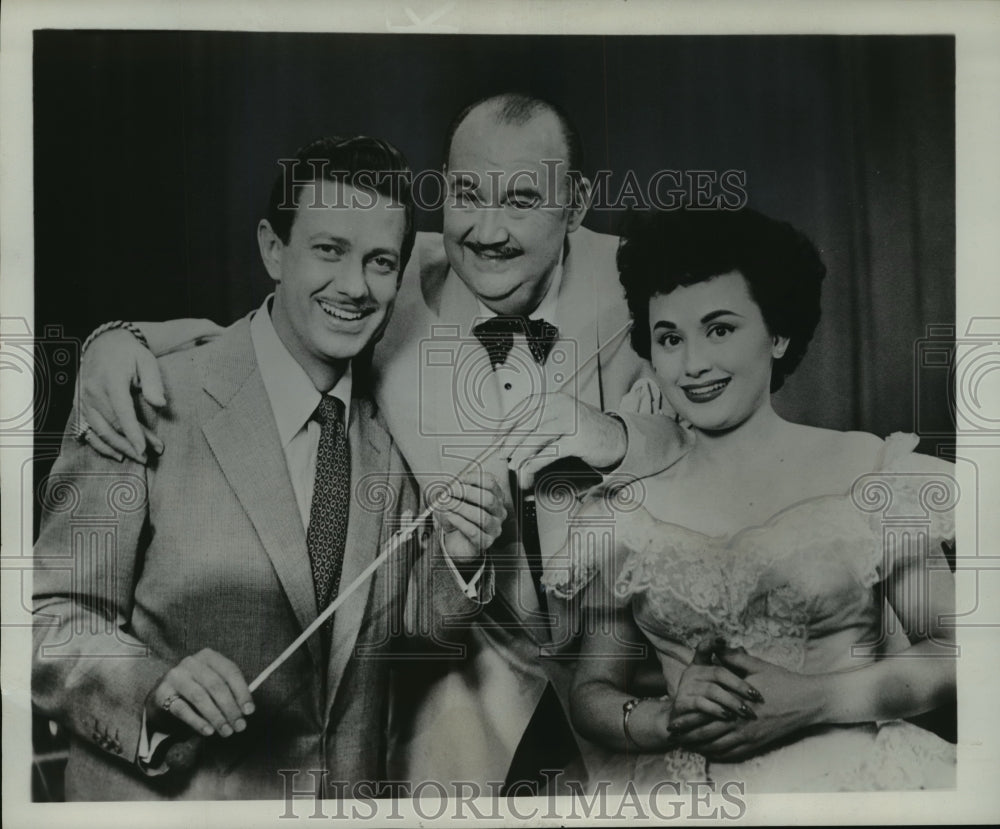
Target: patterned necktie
(497, 337)
(327, 533)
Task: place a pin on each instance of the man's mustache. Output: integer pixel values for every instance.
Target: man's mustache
(504, 250)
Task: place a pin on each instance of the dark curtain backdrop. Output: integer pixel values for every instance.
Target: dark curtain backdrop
(154, 154)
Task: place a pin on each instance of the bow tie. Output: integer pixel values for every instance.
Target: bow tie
(497, 337)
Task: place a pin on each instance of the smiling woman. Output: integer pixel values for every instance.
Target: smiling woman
(782, 271)
(753, 567)
(711, 343)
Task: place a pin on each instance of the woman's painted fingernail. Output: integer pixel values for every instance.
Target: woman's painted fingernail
(241, 724)
(226, 731)
(756, 695)
(747, 712)
(248, 708)
(208, 731)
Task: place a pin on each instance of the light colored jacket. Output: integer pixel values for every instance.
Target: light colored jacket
(136, 567)
(434, 383)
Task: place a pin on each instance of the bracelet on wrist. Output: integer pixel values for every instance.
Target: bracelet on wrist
(114, 325)
(628, 708)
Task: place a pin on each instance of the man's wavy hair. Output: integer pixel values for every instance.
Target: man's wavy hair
(662, 250)
(365, 163)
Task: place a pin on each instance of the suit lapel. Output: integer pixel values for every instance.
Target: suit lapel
(369, 468)
(578, 335)
(245, 441)
(595, 337)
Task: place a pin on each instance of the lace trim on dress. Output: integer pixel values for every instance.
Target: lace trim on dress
(861, 527)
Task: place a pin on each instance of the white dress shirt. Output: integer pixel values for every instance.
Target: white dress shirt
(519, 376)
(293, 399)
(516, 378)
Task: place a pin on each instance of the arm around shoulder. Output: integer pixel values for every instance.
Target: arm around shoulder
(177, 335)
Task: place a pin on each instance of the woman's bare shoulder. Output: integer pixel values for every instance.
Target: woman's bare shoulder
(834, 446)
(861, 452)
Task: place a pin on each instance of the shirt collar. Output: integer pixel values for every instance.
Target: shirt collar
(546, 309)
(293, 396)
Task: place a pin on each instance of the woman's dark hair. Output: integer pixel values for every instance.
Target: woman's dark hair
(663, 250)
(365, 163)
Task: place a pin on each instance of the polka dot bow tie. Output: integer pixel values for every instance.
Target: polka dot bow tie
(497, 337)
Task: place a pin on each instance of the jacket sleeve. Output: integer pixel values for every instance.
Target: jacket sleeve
(655, 442)
(178, 335)
(88, 671)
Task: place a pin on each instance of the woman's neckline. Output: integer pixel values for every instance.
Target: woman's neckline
(881, 458)
(759, 525)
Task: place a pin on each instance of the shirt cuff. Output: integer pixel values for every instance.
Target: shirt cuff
(147, 749)
(470, 586)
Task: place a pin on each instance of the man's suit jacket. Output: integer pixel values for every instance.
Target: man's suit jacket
(435, 384)
(137, 567)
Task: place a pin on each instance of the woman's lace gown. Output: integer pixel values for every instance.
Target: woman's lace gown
(801, 591)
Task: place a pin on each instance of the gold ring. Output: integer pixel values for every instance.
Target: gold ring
(165, 705)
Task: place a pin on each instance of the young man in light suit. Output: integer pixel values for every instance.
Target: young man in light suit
(161, 589)
(536, 382)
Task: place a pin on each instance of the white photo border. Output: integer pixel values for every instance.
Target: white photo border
(976, 27)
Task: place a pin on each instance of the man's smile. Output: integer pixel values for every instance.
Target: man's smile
(345, 313)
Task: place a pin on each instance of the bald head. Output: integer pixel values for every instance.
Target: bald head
(518, 110)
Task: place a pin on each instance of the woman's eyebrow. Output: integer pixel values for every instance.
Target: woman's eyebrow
(722, 312)
(711, 315)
